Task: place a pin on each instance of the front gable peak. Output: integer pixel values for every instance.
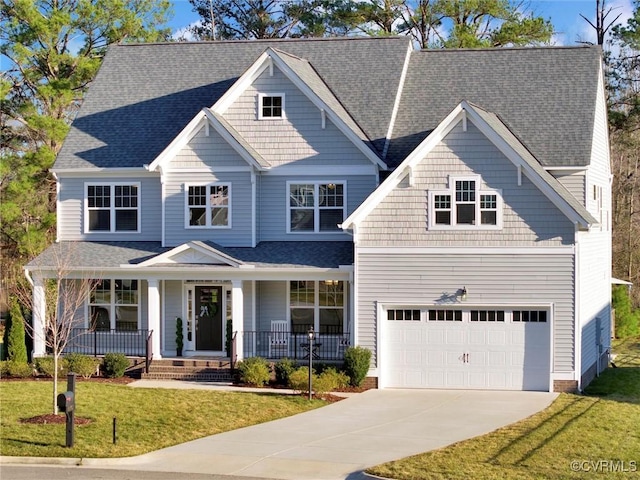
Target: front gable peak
(193, 253)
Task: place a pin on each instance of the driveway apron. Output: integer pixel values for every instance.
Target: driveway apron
(342, 439)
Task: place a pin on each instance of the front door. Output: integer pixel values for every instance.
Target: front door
(208, 313)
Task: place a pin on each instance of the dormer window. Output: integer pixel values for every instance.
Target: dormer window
(465, 206)
(271, 106)
(208, 206)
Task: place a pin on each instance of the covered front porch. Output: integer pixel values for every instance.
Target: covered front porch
(230, 302)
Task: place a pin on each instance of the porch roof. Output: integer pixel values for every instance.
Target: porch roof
(99, 256)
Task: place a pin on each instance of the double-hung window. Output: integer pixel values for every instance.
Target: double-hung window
(112, 207)
(315, 206)
(114, 305)
(208, 206)
(317, 304)
(464, 205)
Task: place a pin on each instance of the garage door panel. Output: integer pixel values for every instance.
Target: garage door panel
(467, 354)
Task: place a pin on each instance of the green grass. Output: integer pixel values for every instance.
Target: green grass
(147, 419)
(602, 425)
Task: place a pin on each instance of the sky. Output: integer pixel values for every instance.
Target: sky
(564, 14)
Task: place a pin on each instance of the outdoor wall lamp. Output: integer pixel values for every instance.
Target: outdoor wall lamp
(462, 293)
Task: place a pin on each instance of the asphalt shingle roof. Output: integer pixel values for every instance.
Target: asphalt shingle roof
(100, 256)
(546, 96)
(144, 95)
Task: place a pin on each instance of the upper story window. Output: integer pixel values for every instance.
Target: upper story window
(271, 106)
(112, 207)
(208, 206)
(315, 206)
(465, 206)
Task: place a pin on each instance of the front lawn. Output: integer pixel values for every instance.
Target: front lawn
(146, 419)
(596, 435)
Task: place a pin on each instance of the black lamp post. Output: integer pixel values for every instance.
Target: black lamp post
(310, 334)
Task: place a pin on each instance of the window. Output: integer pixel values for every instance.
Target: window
(487, 315)
(208, 206)
(113, 305)
(403, 314)
(271, 106)
(317, 303)
(316, 207)
(445, 315)
(112, 207)
(465, 206)
(539, 316)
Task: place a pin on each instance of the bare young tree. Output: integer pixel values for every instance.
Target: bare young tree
(602, 25)
(55, 297)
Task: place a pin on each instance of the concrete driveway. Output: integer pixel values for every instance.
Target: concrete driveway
(342, 439)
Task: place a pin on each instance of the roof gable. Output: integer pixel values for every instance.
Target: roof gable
(300, 72)
(193, 253)
(493, 128)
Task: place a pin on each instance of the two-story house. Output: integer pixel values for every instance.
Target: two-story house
(447, 209)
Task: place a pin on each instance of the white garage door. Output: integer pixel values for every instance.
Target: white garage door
(476, 349)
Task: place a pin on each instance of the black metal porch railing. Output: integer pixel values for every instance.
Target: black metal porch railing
(276, 345)
(93, 342)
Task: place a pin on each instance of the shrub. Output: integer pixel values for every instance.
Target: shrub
(4, 368)
(19, 369)
(339, 379)
(299, 379)
(83, 365)
(356, 364)
(114, 365)
(16, 346)
(254, 371)
(44, 366)
(627, 320)
(284, 368)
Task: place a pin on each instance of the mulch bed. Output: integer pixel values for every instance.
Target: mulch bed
(51, 419)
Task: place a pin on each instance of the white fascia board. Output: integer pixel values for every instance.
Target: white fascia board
(131, 172)
(321, 105)
(195, 245)
(224, 133)
(542, 185)
(244, 82)
(428, 144)
(206, 272)
(179, 142)
(566, 169)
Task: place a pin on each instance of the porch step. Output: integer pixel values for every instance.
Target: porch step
(211, 370)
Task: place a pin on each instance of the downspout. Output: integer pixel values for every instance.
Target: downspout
(29, 279)
(253, 208)
(576, 309)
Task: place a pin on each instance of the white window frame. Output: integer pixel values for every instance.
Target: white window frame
(208, 206)
(316, 305)
(112, 208)
(316, 207)
(451, 192)
(113, 304)
(261, 98)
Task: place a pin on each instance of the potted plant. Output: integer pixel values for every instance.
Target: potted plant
(179, 337)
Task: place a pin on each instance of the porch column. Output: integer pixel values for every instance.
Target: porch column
(237, 316)
(153, 315)
(39, 317)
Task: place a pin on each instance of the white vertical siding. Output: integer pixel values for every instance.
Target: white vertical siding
(71, 204)
(529, 217)
(490, 279)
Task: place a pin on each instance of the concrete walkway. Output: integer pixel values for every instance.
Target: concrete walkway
(342, 439)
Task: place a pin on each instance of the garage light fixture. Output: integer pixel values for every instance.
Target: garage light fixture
(462, 293)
